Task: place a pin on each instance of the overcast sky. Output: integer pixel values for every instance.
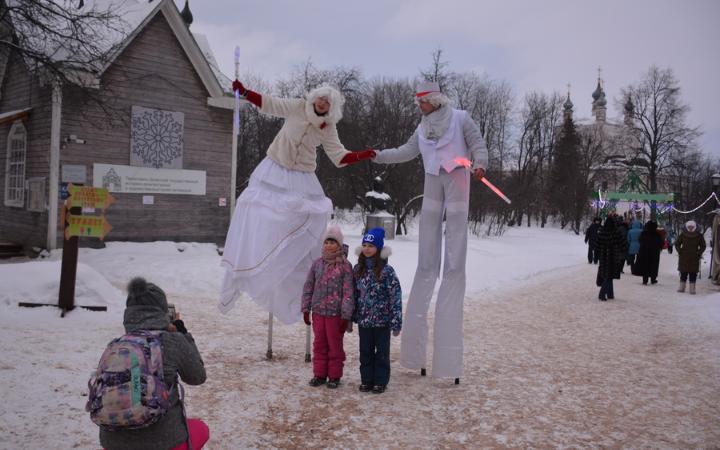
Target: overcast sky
(534, 44)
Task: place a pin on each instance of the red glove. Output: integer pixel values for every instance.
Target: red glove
(354, 157)
(251, 96)
(306, 318)
(343, 325)
(238, 86)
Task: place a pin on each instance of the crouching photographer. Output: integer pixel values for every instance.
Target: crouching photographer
(135, 396)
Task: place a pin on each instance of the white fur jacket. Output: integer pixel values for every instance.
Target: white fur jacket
(295, 145)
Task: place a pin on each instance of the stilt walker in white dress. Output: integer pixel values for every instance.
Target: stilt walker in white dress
(275, 232)
(444, 138)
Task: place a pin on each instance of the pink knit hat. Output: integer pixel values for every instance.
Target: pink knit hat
(334, 232)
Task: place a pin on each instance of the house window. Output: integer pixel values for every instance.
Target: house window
(36, 194)
(15, 165)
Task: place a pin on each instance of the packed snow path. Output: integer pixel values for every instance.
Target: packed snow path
(547, 365)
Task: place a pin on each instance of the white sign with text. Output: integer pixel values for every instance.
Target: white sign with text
(144, 180)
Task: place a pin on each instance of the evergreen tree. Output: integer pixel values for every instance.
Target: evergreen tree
(566, 180)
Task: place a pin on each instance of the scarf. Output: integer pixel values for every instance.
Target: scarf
(331, 257)
(436, 123)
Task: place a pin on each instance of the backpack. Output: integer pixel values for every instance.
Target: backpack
(127, 390)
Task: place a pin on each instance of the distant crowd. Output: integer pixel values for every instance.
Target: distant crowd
(619, 242)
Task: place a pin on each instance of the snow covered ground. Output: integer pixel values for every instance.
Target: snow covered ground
(546, 364)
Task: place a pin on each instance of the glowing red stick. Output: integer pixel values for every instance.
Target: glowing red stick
(467, 164)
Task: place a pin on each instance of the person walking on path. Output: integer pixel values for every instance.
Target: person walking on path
(378, 310)
(328, 294)
(633, 239)
(445, 138)
(648, 259)
(591, 240)
(612, 248)
(275, 232)
(690, 246)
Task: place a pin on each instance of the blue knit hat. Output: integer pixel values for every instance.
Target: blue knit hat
(376, 237)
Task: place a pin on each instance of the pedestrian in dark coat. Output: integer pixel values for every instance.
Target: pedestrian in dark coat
(648, 260)
(591, 240)
(690, 247)
(612, 248)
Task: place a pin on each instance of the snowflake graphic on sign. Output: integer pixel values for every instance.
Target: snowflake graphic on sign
(156, 138)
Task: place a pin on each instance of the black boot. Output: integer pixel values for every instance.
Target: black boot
(365, 388)
(379, 389)
(317, 381)
(333, 383)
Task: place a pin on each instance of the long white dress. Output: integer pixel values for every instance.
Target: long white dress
(276, 230)
(273, 238)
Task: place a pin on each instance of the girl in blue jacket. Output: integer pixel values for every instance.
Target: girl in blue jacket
(378, 310)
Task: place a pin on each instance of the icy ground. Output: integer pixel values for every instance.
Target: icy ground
(547, 365)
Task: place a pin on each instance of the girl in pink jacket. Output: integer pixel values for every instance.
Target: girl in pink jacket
(329, 294)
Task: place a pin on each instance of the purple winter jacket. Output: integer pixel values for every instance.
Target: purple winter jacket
(329, 289)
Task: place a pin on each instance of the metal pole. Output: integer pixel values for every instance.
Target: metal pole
(235, 132)
(308, 358)
(268, 355)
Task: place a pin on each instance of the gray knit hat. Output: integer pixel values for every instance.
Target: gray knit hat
(140, 292)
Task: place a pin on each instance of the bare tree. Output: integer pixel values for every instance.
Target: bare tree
(391, 118)
(62, 40)
(437, 70)
(660, 116)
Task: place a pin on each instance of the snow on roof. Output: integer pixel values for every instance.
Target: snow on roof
(126, 19)
(10, 115)
(202, 42)
(123, 17)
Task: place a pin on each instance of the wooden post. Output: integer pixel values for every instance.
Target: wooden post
(68, 269)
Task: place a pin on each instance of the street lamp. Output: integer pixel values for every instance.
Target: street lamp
(715, 178)
(715, 181)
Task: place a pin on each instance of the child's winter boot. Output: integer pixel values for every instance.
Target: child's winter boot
(682, 287)
(692, 288)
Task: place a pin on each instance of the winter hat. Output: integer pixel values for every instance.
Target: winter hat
(426, 87)
(429, 91)
(376, 237)
(690, 225)
(335, 233)
(333, 96)
(142, 293)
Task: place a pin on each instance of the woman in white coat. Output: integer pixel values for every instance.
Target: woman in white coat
(275, 232)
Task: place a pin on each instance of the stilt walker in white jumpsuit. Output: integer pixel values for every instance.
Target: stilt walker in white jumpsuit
(444, 135)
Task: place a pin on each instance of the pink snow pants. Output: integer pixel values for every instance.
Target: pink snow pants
(328, 353)
(199, 435)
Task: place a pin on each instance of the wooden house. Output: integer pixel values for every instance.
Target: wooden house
(155, 129)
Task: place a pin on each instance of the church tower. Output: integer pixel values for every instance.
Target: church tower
(568, 107)
(599, 105)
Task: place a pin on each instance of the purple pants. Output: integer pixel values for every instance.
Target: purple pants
(328, 353)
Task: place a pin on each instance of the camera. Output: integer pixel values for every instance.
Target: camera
(172, 313)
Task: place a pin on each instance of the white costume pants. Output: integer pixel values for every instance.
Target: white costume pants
(447, 193)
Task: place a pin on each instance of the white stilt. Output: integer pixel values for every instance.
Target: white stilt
(268, 355)
(308, 358)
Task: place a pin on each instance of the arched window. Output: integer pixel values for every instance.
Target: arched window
(15, 165)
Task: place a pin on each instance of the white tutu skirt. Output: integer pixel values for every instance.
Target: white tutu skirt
(274, 237)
